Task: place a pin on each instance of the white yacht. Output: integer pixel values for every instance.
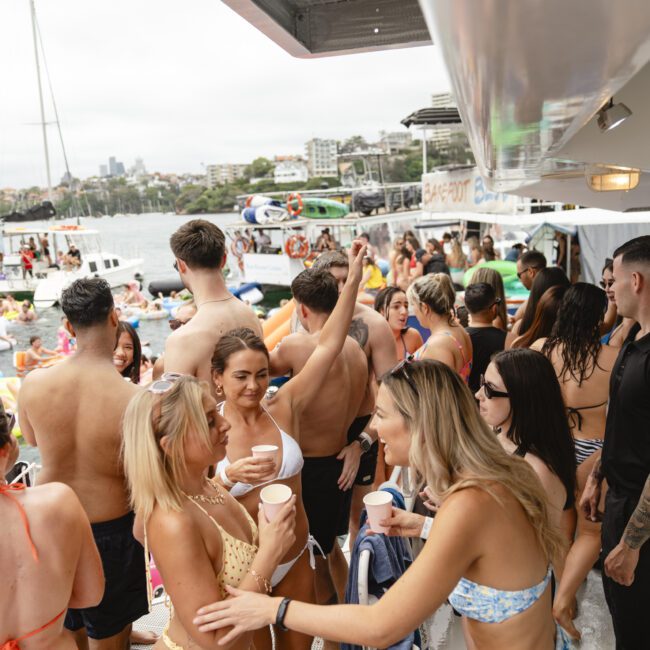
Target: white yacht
(44, 287)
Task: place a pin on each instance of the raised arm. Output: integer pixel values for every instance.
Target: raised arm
(306, 384)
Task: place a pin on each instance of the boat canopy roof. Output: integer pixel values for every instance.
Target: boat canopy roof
(579, 217)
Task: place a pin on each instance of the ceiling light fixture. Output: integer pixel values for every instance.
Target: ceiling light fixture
(601, 178)
(612, 115)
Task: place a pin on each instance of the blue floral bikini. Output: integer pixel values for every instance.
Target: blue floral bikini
(489, 605)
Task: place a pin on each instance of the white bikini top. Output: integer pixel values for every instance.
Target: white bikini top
(292, 461)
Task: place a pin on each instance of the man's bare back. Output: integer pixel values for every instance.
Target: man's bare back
(325, 422)
(189, 349)
(73, 413)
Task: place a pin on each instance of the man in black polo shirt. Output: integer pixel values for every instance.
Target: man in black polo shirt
(625, 461)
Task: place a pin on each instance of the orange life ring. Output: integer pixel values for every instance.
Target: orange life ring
(294, 196)
(245, 247)
(297, 247)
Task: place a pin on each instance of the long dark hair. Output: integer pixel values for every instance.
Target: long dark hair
(545, 279)
(132, 371)
(539, 421)
(545, 315)
(577, 330)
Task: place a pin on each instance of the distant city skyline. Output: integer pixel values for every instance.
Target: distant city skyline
(184, 86)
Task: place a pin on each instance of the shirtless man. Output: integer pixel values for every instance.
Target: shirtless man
(200, 251)
(184, 314)
(26, 314)
(324, 424)
(36, 353)
(80, 446)
(374, 335)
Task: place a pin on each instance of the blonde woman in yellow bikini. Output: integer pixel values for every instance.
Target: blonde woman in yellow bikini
(201, 538)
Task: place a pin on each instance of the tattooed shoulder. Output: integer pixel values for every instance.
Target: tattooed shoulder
(359, 331)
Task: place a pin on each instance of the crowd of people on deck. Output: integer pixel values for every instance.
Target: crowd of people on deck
(528, 437)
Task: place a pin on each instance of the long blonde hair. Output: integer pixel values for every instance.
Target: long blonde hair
(453, 448)
(457, 258)
(153, 474)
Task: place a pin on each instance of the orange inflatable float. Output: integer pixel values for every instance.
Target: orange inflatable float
(278, 326)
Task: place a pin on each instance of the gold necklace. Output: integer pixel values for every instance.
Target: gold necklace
(216, 500)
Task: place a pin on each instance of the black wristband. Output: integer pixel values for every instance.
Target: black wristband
(282, 612)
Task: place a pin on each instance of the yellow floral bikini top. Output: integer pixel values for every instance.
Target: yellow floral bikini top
(237, 555)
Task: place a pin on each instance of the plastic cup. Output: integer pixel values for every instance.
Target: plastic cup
(266, 451)
(273, 497)
(379, 506)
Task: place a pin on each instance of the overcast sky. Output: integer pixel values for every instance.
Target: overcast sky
(185, 83)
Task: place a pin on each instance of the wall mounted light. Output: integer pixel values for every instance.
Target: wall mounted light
(602, 178)
(612, 115)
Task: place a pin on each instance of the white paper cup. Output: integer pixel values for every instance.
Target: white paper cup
(266, 451)
(379, 506)
(273, 497)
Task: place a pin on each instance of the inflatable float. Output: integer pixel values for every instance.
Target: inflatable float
(20, 362)
(508, 271)
(265, 214)
(278, 325)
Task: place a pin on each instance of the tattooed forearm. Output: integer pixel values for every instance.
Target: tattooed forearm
(637, 531)
(596, 471)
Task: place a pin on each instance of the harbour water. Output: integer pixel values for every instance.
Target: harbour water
(145, 236)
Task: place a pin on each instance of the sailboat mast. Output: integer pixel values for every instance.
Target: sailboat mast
(40, 97)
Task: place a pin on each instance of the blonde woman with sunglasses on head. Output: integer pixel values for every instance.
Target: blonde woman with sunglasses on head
(201, 538)
(489, 548)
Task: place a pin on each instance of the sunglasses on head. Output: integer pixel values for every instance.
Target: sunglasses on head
(175, 265)
(11, 420)
(165, 383)
(490, 391)
(401, 369)
(606, 284)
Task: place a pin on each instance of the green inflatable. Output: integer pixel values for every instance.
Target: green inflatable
(508, 271)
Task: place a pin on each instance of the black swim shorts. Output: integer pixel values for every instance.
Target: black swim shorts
(125, 594)
(368, 462)
(326, 505)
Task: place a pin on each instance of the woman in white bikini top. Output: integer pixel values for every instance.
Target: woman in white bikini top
(240, 370)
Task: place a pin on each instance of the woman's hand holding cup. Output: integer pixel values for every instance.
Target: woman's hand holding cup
(402, 524)
(277, 519)
(251, 470)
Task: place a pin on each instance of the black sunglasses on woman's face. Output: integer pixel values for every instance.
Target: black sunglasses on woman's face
(490, 391)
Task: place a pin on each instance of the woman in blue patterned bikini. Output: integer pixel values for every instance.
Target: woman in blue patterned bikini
(492, 528)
